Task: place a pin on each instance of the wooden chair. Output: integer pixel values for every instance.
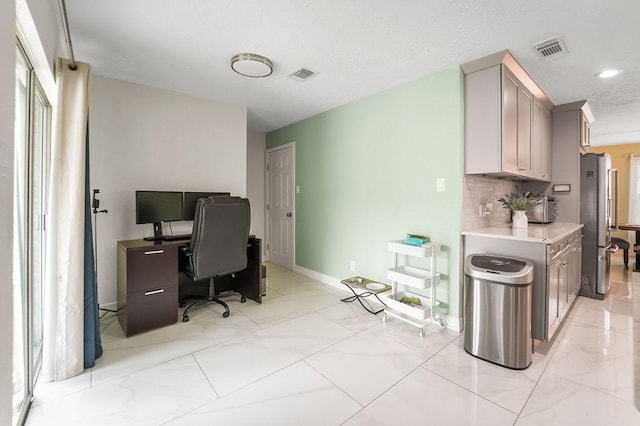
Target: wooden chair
(624, 245)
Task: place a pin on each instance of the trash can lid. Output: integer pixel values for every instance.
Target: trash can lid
(498, 264)
(499, 269)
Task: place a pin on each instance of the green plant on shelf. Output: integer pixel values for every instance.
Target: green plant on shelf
(413, 301)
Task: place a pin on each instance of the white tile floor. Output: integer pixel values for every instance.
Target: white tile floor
(304, 357)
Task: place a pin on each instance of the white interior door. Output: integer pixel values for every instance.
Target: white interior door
(280, 206)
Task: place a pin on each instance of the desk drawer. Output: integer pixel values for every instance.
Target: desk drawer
(152, 268)
(146, 310)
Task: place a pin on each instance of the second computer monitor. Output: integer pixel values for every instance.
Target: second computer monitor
(191, 198)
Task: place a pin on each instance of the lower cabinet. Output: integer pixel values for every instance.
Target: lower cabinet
(146, 310)
(575, 264)
(147, 285)
(563, 278)
(563, 290)
(553, 293)
(557, 272)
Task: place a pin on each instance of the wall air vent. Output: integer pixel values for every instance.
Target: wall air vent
(551, 49)
(302, 74)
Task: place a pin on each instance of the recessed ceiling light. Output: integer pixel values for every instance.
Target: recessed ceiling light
(251, 65)
(608, 73)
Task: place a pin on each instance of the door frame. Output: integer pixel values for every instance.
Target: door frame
(291, 145)
(35, 94)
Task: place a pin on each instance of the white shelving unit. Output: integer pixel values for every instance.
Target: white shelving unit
(406, 279)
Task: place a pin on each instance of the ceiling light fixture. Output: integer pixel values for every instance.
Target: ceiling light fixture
(251, 65)
(608, 73)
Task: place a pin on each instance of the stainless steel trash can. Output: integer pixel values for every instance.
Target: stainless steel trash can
(497, 297)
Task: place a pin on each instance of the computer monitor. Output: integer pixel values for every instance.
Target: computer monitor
(156, 207)
(191, 198)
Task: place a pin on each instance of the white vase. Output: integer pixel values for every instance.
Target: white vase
(519, 232)
(519, 219)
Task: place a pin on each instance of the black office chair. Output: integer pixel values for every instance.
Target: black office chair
(218, 244)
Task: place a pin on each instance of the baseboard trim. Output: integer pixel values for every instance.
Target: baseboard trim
(112, 306)
(453, 323)
(325, 279)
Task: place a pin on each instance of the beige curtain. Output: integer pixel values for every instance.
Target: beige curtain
(64, 283)
(634, 190)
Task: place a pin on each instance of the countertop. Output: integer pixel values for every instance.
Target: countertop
(546, 234)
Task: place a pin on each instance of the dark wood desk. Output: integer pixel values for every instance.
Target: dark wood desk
(636, 228)
(150, 283)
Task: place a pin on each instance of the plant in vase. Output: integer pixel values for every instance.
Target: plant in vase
(518, 202)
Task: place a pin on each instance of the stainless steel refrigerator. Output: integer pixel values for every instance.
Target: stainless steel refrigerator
(598, 187)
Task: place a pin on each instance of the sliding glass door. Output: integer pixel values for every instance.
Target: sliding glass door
(32, 131)
(37, 203)
(21, 388)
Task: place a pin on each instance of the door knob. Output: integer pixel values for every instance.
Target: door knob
(289, 214)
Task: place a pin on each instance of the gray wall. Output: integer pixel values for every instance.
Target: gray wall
(146, 138)
(256, 143)
(46, 15)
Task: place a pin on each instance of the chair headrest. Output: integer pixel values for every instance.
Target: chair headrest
(223, 199)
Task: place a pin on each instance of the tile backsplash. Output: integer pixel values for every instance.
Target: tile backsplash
(478, 190)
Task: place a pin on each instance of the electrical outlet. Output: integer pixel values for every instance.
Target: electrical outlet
(440, 184)
(488, 206)
(352, 266)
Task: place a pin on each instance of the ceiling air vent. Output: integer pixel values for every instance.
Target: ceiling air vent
(551, 49)
(302, 74)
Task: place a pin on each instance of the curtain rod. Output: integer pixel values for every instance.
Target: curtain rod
(67, 35)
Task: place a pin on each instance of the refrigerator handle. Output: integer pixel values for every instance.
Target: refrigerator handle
(614, 178)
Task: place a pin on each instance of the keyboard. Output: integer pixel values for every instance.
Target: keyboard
(176, 237)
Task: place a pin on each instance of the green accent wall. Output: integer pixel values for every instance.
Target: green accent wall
(367, 174)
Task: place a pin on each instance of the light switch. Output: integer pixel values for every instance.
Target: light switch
(297, 189)
(440, 184)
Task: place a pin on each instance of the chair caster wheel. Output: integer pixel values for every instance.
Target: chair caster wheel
(243, 299)
(185, 318)
(225, 314)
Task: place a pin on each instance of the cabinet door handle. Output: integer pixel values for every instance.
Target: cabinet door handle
(154, 252)
(149, 293)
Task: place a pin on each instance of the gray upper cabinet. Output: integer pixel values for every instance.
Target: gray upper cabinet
(525, 105)
(502, 137)
(570, 129)
(585, 131)
(516, 125)
(541, 143)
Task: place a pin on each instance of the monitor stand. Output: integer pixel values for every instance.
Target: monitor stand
(157, 232)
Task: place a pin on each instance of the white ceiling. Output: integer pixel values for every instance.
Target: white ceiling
(361, 47)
